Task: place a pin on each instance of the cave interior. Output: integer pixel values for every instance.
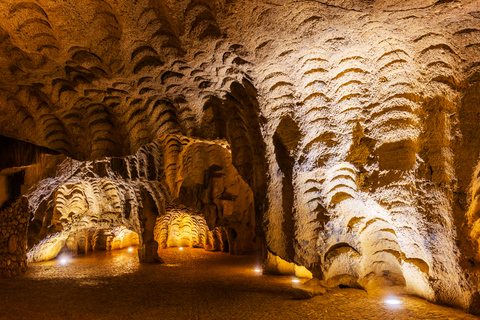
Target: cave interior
(337, 139)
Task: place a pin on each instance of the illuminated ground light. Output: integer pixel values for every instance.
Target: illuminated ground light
(295, 280)
(181, 248)
(64, 260)
(257, 270)
(130, 249)
(392, 301)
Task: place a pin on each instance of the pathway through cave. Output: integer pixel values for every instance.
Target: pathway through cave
(192, 284)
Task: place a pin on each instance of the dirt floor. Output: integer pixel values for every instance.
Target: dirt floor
(192, 284)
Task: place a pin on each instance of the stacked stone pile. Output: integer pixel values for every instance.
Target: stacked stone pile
(13, 239)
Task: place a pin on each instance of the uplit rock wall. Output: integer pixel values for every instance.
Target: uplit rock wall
(183, 227)
(83, 206)
(371, 143)
(13, 238)
(201, 175)
(273, 264)
(92, 205)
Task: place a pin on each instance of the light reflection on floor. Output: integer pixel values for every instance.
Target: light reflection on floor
(192, 284)
(91, 265)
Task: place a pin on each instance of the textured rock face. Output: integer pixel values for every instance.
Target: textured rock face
(182, 227)
(13, 239)
(201, 176)
(117, 202)
(352, 127)
(101, 205)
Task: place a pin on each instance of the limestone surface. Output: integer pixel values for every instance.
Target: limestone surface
(341, 136)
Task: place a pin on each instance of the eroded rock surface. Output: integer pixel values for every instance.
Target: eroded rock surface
(183, 227)
(344, 134)
(13, 239)
(113, 203)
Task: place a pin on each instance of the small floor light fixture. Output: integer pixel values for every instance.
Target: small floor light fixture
(392, 301)
(181, 248)
(130, 249)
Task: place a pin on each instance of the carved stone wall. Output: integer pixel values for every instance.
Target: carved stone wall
(201, 175)
(88, 203)
(13, 238)
(341, 135)
(183, 227)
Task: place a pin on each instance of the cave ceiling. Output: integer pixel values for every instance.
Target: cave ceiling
(102, 78)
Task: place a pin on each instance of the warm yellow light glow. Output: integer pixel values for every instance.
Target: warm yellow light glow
(64, 260)
(181, 248)
(295, 280)
(130, 249)
(258, 270)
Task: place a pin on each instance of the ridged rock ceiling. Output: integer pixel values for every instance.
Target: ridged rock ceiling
(352, 126)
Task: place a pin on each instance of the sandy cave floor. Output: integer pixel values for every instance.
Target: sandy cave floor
(192, 284)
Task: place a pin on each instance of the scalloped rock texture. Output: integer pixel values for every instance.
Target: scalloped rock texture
(117, 202)
(183, 227)
(352, 127)
(89, 206)
(180, 228)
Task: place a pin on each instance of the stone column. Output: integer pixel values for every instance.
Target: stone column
(147, 250)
